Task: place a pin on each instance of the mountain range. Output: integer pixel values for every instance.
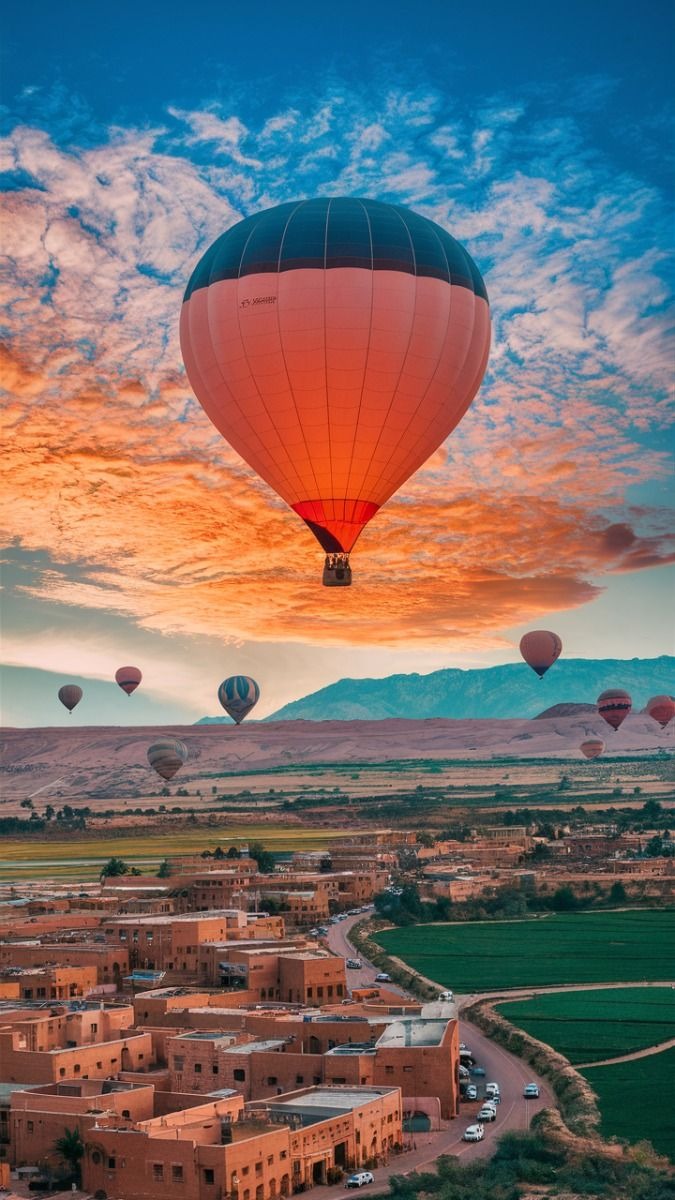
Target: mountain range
(507, 691)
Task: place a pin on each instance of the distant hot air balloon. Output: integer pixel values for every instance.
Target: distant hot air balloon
(614, 706)
(662, 709)
(128, 679)
(167, 757)
(592, 747)
(335, 343)
(70, 695)
(540, 648)
(238, 695)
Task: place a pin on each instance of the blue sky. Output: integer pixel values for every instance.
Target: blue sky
(134, 136)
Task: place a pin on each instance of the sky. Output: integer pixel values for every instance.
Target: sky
(133, 136)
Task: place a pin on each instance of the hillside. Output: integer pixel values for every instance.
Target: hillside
(510, 691)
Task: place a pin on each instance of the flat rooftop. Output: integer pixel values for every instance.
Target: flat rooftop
(252, 1047)
(322, 1103)
(417, 1031)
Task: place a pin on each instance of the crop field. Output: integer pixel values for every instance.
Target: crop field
(588, 1026)
(83, 859)
(634, 1099)
(628, 946)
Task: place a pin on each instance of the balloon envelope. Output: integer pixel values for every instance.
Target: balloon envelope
(167, 757)
(614, 706)
(662, 709)
(128, 679)
(70, 695)
(592, 747)
(238, 695)
(335, 343)
(540, 648)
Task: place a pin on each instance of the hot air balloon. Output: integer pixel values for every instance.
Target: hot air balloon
(662, 709)
(128, 679)
(70, 695)
(167, 757)
(335, 344)
(592, 747)
(540, 648)
(614, 706)
(238, 695)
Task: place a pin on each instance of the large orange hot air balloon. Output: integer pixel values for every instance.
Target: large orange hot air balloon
(128, 679)
(70, 695)
(614, 706)
(335, 343)
(592, 747)
(662, 709)
(540, 648)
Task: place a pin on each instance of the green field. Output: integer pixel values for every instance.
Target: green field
(589, 1026)
(591, 947)
(74, 859)
(635, 1102)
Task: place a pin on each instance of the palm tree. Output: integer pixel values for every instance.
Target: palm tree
(70, 1147)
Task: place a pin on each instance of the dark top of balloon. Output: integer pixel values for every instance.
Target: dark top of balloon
(337, 232)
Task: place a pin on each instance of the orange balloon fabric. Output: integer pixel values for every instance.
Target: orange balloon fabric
(592, 747)
(128, 678)
(540, 648)
(662, 709)
(614, 706)
(335, 343)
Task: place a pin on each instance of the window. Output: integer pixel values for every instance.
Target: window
(177, 1173)
(94, 1027)
(112, 1163)
(198, 1068)
(178, 1062)
(271, 1080)
(299, 1079)
(245, 1170)
(209, 1175)
(283, 1154)
(389, 1070)
(258, 1168)
(29, 1126)
(126, 1113)
(239, 1074)
(319, 992)
(157, 1172)
(214, 1068)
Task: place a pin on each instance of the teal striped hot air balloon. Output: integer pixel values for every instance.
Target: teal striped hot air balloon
(167, 757)
(238, 695)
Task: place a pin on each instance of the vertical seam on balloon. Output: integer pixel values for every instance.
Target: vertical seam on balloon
(365, 367)
(255, 381)
(405, 356)
(433, 374)
(325, 344)
(281, 346)
(476, 378)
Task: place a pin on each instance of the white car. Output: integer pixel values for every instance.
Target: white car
(383, 977)
(531, 1091)
(471, 1092)
(448, 996)
(492, 1091)
(487, 1113)
(360, 1179)
(473, 1133)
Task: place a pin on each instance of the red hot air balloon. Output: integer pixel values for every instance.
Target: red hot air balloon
(335, 343)
(592, 747)
(167, 757)
(128, 679)
(540, 648)
(614, 706)
(662, 709)
(70, 695)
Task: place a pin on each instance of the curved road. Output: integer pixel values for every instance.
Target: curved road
(509, 1072)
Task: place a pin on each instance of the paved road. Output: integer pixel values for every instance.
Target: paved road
(513, 1113)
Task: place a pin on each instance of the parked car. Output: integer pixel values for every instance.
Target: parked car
(531, 1091)
(473, 1133)
(446, 996)
(487, 1113)
(491, 1090)
(478, 1071)
(360, 1179)
(471, 1092)
(354, 964)
(382, 977)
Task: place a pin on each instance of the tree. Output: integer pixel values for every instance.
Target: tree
(564, 900)
(617, 892)
(49, 812)
(233, 852)
(115, 866)
(164, 870)
(263, 857)
(70, 1147)
(423, 838)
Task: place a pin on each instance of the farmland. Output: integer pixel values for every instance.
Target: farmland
(73, 859)
(588, 1026)
(592, 947)
(634, 1099)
